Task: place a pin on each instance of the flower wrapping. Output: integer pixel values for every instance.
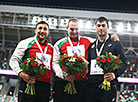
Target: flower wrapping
(34, 67)
(108, 63)
(72, 65)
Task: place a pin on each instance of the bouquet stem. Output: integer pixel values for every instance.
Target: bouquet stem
(70, 88)
(105, 85)
(30, 89)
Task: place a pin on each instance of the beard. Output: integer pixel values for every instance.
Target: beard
(41, 36)
(41, 39)
(74, 36)
(102, 34)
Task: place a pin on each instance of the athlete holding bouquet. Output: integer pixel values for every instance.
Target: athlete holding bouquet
(34, 46)
(101, 46)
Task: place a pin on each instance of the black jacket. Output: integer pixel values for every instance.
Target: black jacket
(115, 48)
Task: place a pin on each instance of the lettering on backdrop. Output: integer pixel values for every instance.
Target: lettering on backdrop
(50, 20)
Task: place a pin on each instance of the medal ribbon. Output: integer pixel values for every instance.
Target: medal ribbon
(40, 47)
(99, 52)
(71, 42)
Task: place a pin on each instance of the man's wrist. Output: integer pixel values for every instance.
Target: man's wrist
(19, 74)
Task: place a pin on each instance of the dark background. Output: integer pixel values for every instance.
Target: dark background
(127, 6)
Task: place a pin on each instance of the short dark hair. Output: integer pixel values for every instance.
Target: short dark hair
(73, 20)
(102, 19)
(42, 22)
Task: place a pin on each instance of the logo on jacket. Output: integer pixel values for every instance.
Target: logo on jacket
(109, 45)
(93, 46)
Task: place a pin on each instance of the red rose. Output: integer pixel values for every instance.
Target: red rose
(77, 59)
(34, 64)
(117, 61)
(103, 60)
(64, 69)
(81, 59)
(109, 59)
(25, 62)
(62, 59)
(31, 59)
(66, 57)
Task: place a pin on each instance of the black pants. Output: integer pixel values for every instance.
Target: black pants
(95, 94)
(42, 90)
(61, 96)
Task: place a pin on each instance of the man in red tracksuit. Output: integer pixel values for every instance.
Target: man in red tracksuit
(68, 45)
(34, 46)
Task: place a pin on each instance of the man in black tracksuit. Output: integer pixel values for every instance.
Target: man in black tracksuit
(103, 44)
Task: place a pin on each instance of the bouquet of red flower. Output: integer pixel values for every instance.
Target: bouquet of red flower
(34, 67)
(108, 63)
(72, 65)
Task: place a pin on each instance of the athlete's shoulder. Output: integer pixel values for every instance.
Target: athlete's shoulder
(61, 40)
(50, 45)
(88, 38)
(26, 41)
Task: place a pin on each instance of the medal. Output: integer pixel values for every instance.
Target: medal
(74, 48)
(43, 58)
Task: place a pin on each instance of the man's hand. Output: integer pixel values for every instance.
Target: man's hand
(70, 78)
(114, 37)
(27, 78)
(109, 76)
